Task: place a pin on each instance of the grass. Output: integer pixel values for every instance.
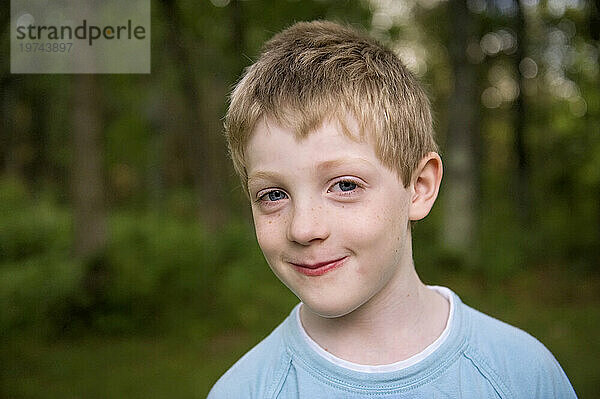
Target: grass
(561, 310)
(101, 367)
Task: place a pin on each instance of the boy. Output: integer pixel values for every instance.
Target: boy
(332, 138)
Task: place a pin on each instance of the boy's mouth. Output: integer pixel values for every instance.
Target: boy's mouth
(318, 269)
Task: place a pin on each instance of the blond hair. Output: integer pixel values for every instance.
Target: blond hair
(315, 70)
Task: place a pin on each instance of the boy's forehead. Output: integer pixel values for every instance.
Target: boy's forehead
(277, 143)
(333, 143)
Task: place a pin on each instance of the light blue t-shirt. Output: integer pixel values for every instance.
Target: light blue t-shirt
(477, 356)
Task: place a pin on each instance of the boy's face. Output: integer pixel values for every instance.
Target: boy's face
(330, 218)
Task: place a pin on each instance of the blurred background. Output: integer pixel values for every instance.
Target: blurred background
(128, 263)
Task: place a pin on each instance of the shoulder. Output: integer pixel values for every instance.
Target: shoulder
(498, 339)
(258, 373)
(513, 360)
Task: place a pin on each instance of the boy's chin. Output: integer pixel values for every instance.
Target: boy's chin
(328, 310)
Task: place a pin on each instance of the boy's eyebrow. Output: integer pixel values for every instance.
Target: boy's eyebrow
(335, 163)
(331, 164)
(260, 175)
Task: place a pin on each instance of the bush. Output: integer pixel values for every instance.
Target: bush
(156, 267)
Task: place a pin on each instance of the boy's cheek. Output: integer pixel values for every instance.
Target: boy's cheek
(367, 229)
(262, 235)
(269, 231)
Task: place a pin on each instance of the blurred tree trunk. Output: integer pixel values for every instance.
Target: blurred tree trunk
(594, 24)
(7, 133)
(595, 20)
(156, 113)
(206, 153)
(39, 167)
(87, 168)
(522, 194)
(459, 225)
(239, 37)
(6, 94)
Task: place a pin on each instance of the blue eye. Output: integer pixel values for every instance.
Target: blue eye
(274, 195)
(347, 185)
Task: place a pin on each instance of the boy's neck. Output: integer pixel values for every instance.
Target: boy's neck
(401, 321)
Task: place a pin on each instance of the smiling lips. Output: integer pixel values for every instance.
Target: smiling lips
(318, 269)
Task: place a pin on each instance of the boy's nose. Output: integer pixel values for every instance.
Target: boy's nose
(307, 225)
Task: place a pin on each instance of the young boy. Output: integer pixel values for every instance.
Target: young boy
(332, 138)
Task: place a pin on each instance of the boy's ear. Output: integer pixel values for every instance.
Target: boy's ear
(425, 185)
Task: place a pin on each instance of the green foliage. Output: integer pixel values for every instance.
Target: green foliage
(36, 272)
(156, 265)
(32, 290)
(30, 229)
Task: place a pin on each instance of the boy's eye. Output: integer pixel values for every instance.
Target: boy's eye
(344, 186)
(274, 195)
(347, 185)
